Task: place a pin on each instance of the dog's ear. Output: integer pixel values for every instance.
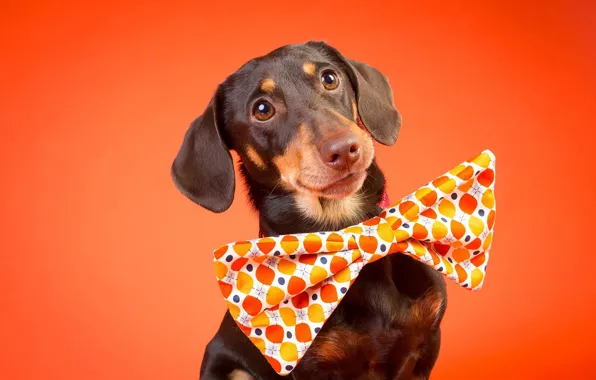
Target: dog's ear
(203, 169)
(374, 98)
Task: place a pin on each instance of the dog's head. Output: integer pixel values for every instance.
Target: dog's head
(301, 118)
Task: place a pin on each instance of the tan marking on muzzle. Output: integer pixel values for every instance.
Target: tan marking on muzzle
(354, 128)
(340, 117)
(255, 157)
(267, 85)
(301, 152)
(309, 68)
(288, 164)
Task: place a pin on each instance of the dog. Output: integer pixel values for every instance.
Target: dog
(302, 120)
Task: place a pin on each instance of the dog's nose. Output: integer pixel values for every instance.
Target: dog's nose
(340, 152)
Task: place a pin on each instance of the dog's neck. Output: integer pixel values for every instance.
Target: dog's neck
(282, 212)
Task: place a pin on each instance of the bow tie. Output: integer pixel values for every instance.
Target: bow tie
(281, 290)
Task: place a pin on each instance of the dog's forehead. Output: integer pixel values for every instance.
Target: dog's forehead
(287, 64)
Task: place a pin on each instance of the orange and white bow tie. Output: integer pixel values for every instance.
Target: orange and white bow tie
(281, 290)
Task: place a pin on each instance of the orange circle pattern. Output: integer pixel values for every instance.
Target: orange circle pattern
(281, 290)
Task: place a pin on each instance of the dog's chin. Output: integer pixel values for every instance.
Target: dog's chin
(340, 189)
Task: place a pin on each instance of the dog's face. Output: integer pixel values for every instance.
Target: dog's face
(292, 118)
(301, 118)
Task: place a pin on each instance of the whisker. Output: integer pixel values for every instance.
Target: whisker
(274, 187)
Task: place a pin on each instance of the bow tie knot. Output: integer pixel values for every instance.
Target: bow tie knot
(281, 290)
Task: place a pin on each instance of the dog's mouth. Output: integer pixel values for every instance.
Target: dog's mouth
(341, 188)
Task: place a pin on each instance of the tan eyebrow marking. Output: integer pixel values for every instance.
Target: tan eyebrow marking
(309, 68)
(267, 85)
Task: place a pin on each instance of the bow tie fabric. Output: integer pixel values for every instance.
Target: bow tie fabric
(281, 290)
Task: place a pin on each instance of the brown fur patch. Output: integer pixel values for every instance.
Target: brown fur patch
(255, 157)
(239, 374)
(425, 310)
(335, 345)
(267, 85)
(309, 68)
(407, 367)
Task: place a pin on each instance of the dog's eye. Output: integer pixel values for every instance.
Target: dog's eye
(330, 80)
(263, 110)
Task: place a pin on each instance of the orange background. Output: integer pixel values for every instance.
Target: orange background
(106, 269)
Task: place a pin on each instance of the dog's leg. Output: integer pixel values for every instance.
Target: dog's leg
(239, 374)
(217, 364)
(230, 355)
(426, 363)
(221, 371)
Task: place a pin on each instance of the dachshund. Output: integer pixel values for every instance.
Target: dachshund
(303, 120)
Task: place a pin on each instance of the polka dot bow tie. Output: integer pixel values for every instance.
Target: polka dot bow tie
(281, 290)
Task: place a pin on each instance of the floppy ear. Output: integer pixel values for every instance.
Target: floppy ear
(203, 169)
(374, 98)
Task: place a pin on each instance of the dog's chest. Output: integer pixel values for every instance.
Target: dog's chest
(369, 336)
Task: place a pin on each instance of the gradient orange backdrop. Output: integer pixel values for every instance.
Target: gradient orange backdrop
(106, 269)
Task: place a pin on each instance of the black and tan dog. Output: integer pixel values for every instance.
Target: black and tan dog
(303, 119)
